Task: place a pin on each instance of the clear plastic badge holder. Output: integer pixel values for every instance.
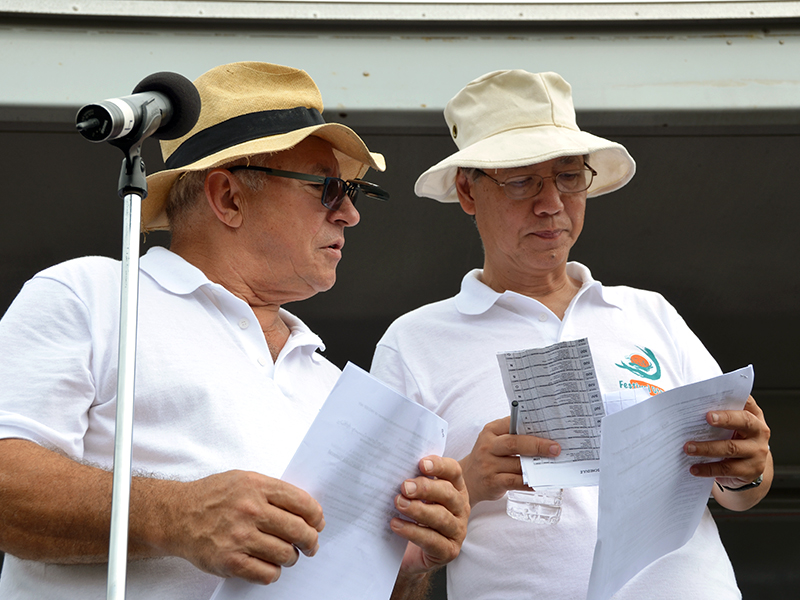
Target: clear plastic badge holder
(541, 507)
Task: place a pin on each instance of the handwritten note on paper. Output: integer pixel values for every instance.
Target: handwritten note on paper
(366, 440)
(559, 399)
(649, 503)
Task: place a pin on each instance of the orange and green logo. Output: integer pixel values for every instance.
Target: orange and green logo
(646, 366)
(651, 389)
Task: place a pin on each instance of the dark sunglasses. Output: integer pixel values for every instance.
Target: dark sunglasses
(334, 190)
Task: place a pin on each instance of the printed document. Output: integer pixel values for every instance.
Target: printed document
(649, 503)
(559, 399)
(366, 440)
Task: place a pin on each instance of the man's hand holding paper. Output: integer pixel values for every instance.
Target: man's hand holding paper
(740, 460)
(639, 463)
(493, 466)
(438, 508)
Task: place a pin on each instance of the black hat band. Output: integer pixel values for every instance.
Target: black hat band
(238, 130)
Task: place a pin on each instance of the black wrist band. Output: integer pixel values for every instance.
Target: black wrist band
(746, 486)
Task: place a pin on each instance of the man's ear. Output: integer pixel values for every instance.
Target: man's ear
(464, 191)
(225, 196)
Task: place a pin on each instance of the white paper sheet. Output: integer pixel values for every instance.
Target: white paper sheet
(559, 399)
(649, 502)
(366, 440)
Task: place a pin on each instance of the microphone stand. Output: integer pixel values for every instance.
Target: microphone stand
(132, 189)
(170, 95)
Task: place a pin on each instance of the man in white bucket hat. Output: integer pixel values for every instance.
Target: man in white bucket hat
(524, 170)
(257, 198)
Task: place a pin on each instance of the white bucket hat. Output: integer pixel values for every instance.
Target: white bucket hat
(508, 119)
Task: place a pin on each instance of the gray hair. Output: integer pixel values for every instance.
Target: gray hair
(185, 195)
(471, 173)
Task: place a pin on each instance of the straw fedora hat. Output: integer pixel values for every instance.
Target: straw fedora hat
(251, 108)
(507, 119)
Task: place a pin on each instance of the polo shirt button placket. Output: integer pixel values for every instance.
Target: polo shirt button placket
(549, 327)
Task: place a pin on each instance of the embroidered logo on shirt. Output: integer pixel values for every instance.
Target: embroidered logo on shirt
(645, 366)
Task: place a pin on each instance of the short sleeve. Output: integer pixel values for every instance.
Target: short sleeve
(389, 367)
(46, 385)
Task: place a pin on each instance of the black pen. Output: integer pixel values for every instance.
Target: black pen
(514, 415)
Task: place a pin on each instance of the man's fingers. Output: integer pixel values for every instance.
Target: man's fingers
(735, 448)
(434, 548)
(243, 524)
(435, 507)
(748, 422)
(734, 420)
(493, 465)
(295, 501)
(432, 517)
(443, 468)
(528, 445)
(522, 445)
(743, 455)
(292, 516)
(251, 569)
(738, 458)
(257, 558)
(422, 499)
(506, 444)
(442, 484)
(753, 407)
(273, 550)
(290, 530)
(437, 530)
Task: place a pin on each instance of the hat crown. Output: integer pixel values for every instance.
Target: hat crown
(506, 100)
(241, 88)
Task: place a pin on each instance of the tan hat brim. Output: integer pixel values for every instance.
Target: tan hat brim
(530, 146)
(353, 155)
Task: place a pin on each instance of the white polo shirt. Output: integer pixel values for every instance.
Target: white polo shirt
(208, 396)
(443, 356)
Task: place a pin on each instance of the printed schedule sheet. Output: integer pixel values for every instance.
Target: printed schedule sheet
(558, 398)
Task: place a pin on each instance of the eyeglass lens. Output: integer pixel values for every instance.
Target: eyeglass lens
(530, 185)
(335, 191)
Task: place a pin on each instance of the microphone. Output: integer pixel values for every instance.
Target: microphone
(164, 105)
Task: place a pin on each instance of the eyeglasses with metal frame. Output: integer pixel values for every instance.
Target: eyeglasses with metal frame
(334, 190)
(528, 186)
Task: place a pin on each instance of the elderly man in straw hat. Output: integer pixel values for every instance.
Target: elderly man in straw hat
(257, 197)
(524, 171)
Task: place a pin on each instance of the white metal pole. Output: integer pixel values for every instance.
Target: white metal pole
(126, 369)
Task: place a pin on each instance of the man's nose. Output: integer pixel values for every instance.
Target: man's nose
(346, 213)
(548, 200)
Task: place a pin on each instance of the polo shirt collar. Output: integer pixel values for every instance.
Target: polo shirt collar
(476, 297)
(172, 272)
(180, 277)
(300, 334)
